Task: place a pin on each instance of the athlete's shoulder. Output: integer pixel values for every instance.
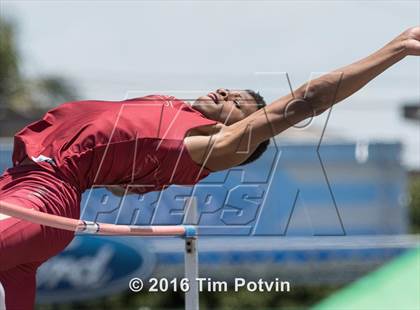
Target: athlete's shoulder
(165, 101)
(154, 98)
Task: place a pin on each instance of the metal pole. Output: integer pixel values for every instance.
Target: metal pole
(191, 256)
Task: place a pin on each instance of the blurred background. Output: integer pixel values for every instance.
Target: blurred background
(332, 207)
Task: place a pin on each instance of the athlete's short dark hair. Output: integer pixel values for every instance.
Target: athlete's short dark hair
(262, 147)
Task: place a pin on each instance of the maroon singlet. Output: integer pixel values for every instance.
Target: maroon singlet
(131, 142)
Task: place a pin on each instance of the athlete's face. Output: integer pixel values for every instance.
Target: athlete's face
(226, 106)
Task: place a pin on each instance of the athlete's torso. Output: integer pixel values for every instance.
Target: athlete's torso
(95, 143)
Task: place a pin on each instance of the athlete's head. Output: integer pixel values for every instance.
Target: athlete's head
(230, 106)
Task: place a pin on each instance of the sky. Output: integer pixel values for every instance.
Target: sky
(112, 50)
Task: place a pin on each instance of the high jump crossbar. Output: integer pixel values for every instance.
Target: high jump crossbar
(188, 232)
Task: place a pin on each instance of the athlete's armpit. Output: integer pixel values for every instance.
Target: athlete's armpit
(216, 155)
(116, 190)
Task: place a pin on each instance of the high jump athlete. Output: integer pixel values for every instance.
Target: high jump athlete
(145, 144)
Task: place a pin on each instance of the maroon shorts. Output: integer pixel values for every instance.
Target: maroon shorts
(25, 246)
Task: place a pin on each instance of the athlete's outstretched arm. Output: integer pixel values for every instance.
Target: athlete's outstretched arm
(228, 147)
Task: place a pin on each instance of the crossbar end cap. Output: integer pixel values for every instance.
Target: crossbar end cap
(190, 231)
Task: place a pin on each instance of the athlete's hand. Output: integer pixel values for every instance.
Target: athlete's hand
(410, 41)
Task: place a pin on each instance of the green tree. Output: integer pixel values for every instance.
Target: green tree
(20, 93)
(10, 80)
(414, 206)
